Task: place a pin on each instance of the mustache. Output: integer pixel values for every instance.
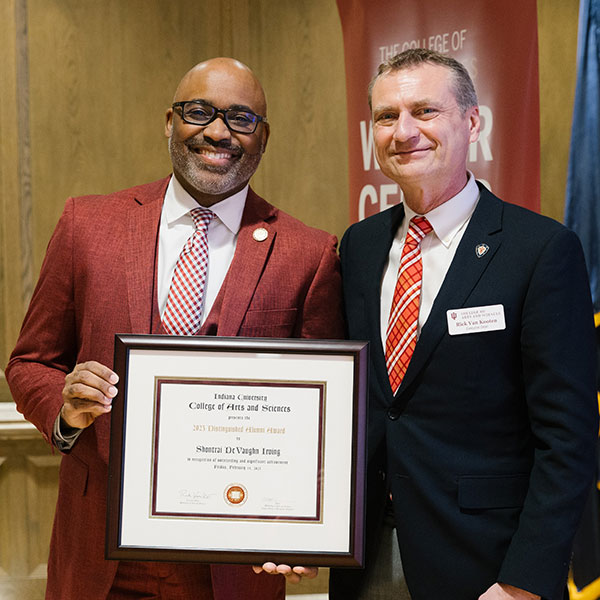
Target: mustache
(194, 144)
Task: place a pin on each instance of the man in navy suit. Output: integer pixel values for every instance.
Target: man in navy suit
(485, 441)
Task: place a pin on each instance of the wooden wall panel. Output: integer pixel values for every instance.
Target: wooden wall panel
(102, 76)
(300, 61)
(11, 293)
(28, 488)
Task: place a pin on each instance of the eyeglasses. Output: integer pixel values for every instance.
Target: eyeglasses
(195, 112)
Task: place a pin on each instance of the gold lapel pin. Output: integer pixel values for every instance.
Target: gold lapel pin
(260, 234)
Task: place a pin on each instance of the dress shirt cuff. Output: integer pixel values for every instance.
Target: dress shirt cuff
(64, 436)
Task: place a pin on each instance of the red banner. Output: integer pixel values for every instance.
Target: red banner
(497, 41)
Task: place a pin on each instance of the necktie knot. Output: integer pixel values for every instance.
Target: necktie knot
(201, 217)
(419, 227)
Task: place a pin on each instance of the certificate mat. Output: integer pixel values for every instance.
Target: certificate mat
(240, 450)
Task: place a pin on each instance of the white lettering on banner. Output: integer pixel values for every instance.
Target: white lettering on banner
(487, 119)
(369, 193)
(366, 142)
(458, 39)
(388, 51)
(385, 190)
(440, 42)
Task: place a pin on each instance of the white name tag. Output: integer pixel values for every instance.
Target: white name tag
(476, 319)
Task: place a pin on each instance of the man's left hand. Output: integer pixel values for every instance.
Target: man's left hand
(292, 574)
(502, 591)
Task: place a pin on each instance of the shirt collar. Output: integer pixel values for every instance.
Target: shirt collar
(178, 203)
(449, 218)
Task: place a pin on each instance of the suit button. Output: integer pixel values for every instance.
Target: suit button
(393, 414)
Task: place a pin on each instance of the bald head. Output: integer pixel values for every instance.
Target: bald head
(223, 71)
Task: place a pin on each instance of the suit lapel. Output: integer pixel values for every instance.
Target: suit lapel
(466, 269)
(377, 253)
(142, 235)
(248, 263)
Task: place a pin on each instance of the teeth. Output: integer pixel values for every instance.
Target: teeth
(215, 155)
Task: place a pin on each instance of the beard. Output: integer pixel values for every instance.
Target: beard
(213, 179)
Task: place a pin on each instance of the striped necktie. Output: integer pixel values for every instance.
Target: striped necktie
(401, 336)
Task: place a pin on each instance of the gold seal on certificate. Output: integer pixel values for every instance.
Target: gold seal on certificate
(235, 494)
(238, 450)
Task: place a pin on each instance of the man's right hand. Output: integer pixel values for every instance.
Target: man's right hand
(291, 574)
(88, 393)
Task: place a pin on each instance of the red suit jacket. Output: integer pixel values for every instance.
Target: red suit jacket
(98, 279)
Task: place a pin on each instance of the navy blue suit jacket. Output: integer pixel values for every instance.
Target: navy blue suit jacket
(488, 446)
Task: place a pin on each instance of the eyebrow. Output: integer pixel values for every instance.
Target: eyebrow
(413, 106)
(425, 102)
(377, 109)
(230, 107)
(240, 107)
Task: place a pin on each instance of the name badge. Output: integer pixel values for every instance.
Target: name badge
(476, 320)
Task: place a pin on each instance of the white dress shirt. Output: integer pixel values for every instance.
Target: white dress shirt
(449, 221)
(176, 226)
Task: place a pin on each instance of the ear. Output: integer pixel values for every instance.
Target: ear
(265, 135)
(169, 123)
(474, 124)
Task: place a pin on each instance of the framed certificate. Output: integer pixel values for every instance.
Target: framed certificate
(238, 450)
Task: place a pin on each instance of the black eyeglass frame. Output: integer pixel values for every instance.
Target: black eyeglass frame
(179, 107)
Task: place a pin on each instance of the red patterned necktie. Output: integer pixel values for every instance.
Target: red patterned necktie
(183, 313)
(404, 314)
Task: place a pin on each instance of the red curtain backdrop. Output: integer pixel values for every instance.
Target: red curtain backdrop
(496, 40)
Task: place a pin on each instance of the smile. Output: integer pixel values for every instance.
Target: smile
(411, 152)
(215, 157)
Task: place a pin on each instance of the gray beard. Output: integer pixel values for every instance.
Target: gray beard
(208, 179)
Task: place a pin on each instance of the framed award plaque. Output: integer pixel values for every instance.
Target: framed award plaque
(238, 450)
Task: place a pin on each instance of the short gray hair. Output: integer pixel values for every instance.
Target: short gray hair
(464, 90)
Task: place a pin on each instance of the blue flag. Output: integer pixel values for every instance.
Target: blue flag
(582, 207)
(582, 214)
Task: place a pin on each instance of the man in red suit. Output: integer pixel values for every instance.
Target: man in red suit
(108, 269)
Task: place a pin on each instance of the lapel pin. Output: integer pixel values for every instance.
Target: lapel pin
(481, 250)
(260, 234)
